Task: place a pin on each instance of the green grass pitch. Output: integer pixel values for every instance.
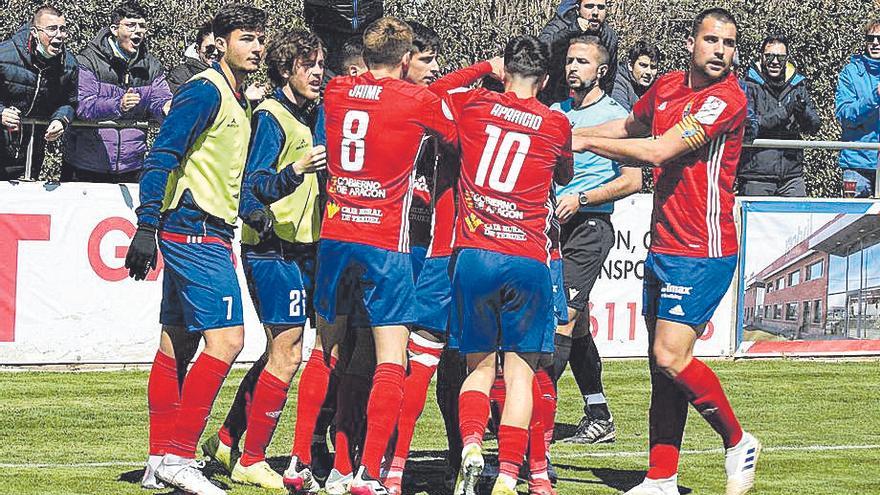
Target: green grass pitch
(86, 433)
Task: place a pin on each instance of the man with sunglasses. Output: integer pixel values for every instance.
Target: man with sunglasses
(38, 80)
(856, 107)
(581, 18)
(118, 80)
(197, 57)
(783, 109)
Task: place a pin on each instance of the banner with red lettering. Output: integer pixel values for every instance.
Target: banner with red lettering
(64, 294)
(616, 300)
(66, 298)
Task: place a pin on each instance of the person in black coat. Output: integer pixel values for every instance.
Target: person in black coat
(636, 74)
(38, 79)
(587, 18)
(197, 57)
(782, 109)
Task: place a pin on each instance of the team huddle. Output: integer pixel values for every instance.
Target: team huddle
(424, 222)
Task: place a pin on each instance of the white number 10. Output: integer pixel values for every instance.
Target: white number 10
(499, 159)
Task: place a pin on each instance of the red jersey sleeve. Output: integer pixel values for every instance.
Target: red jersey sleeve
(713, 114)
(438, 118)
(461, 78)
(643, 110)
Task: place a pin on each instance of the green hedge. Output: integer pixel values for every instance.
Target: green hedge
(823, 34)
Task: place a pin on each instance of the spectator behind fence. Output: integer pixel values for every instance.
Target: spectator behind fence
(37, 80)
(636, 74)
(782, 109)
(587, 17)
(118, 79)
(197, 57)
(856, 107)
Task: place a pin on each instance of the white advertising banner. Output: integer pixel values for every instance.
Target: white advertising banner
(616, 300)
(66, 298)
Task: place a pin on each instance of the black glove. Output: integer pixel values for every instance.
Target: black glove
(142, 253)
(261, 221)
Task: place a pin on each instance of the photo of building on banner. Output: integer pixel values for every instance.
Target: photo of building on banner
(809, 278)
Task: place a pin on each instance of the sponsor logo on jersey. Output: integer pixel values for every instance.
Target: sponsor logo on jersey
(348, 186)
(332, 209)
(232, 123)
(365, 92)
(273, 414)
(711, 110)
(361, 215)
(504, 232)
(677, 310)
(662, 106)
(302, 144)
(472, 222)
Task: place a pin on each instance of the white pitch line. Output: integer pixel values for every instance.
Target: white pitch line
(568, 455)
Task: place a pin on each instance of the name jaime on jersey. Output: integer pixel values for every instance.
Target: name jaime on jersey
(357, 188)
(365, 92)
(519, 117)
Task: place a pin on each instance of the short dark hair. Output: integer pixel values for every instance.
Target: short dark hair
(774, 38)
(45, 10)
(593, 41)
(352, 50)
(526, 56)
(129, 9)
(285, 49)
(386, 41)
(716, 13)
(644, 48)
(205, 30)
(234, 16)
(425, 39)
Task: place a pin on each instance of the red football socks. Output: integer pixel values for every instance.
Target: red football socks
(342, 457)
(547, 404)
(473, 414)
(705, 393)
(310, 396)
(662, 461)
(163, 399)
(200, 388)
(512, 443)
(424, 356)
(537, 448)
(383, 411)
(270, 394)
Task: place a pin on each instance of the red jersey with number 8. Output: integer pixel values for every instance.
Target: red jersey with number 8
(510, 148)
(374, 137)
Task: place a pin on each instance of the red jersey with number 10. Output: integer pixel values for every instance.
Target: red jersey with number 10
(510, 148)
(693, 194)
(374, 137)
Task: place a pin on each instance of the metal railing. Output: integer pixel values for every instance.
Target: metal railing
(103, 124)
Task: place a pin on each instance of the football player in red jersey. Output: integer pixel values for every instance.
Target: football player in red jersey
(512, 148)
(375, 124)
(697, 118)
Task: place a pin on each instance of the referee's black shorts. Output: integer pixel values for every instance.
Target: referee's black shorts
(585, 241)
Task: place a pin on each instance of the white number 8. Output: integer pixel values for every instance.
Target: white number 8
(352, 137)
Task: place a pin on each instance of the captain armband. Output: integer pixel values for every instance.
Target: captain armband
(692, 133)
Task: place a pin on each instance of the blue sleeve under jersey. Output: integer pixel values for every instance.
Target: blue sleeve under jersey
(193, 109)
(262, 185)
(320, 131)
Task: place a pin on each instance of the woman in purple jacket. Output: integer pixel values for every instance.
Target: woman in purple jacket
(118, 80)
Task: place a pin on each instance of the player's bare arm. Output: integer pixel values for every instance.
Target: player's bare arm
(685, 137)
(629, 182)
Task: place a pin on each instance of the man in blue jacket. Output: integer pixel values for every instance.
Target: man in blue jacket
(38, 80)
(118, 79)
(857, 107)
